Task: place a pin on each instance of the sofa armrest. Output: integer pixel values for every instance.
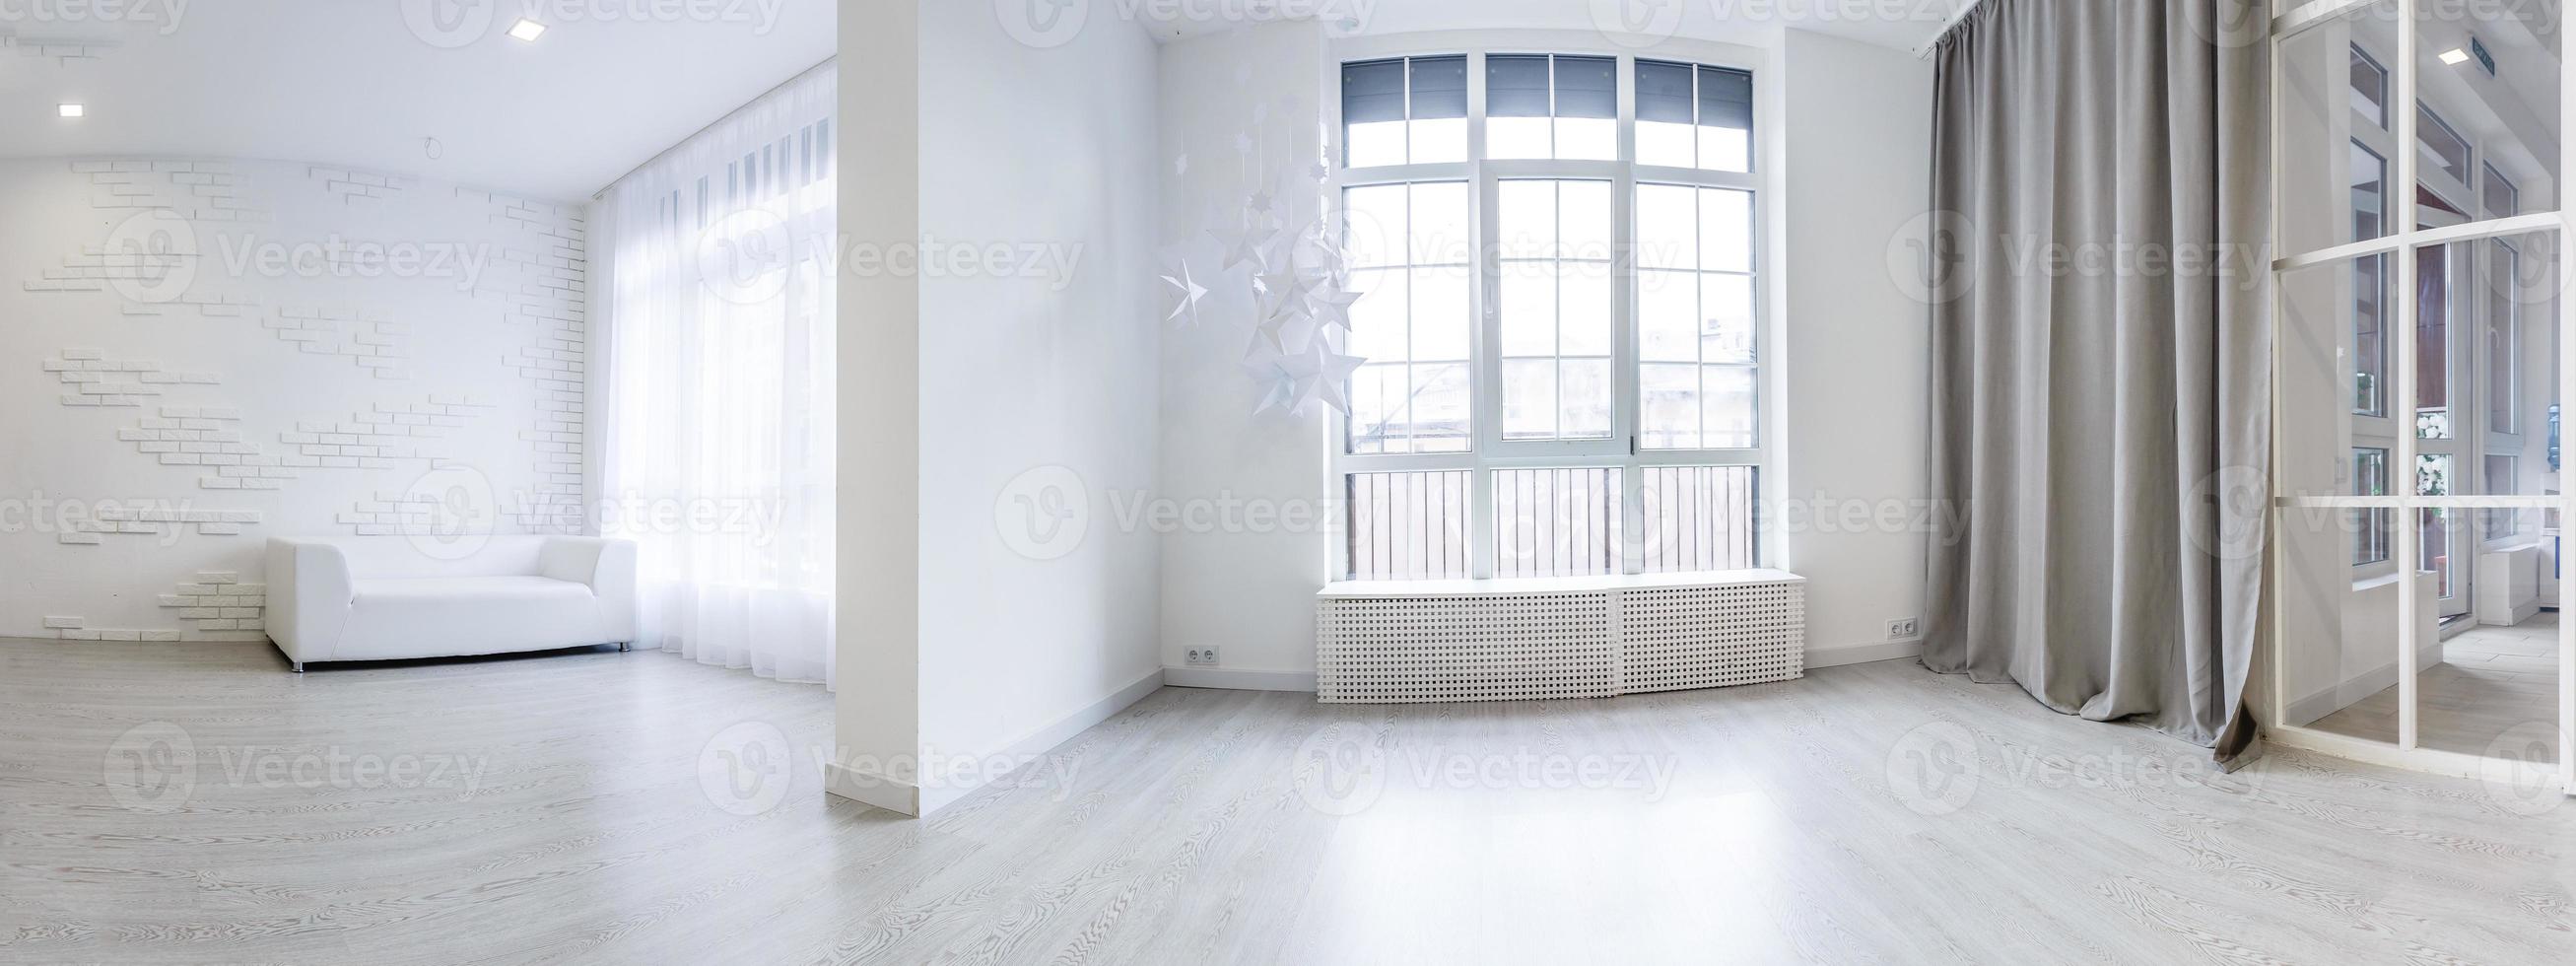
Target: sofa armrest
(607, 566)
(309, 596)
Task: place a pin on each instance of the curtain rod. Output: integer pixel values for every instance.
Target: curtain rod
(1934, 42)
(711, 125)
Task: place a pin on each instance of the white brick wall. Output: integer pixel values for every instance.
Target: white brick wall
(256, 403)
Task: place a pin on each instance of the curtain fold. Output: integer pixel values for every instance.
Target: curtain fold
(718, 399)
(2101, 357)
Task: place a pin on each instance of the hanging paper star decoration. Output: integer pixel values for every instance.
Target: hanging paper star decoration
(1297, 289)
(1191, 292)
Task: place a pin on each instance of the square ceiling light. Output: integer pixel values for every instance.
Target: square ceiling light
(527, 29)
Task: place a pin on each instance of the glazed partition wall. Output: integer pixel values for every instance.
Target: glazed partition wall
(2418, 251)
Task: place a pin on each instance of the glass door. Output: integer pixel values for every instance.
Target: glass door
(2421, 281)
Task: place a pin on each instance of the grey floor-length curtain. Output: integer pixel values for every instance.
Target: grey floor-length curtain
(2100, 357)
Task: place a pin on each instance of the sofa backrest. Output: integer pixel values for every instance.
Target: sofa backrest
(395, 557)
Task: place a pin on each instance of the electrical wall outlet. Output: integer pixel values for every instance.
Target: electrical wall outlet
(1202, 655)
(1904, 628)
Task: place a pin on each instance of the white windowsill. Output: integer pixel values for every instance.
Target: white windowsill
(1529, 585)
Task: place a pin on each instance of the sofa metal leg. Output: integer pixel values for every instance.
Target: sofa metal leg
(621, 646)
(297, 665)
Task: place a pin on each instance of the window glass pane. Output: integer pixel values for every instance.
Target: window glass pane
(1518, 137)
(1583, 220)
(1667, 227)
(1667, 115)
(1667, 316)
(1373, 220)
(2369, 90)
(2502, 200)
(2369, 182)
(1516, 85)
(1555, 382)
(2503, 331)
(2444, 149)
(2371, 541)
(1726, 312)
(2436, 302)
(2334, 175)
(1528, 309)
(1587, 105)
(1699, 518)
(1438, 231)
(2487, 89)
(2503, 336)
(1587, 87)
(1556, 522)
(1726, 407)
(1725, 119)
(1668, 413)
(1411, 322)
(1726, 230)
(1703, 319)
(1408, 526)
(2369, 342)
(1516, 106)
(1438, 102)
(1583, 308)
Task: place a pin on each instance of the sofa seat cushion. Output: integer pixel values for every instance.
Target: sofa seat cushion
(418, 590)
(409, 617)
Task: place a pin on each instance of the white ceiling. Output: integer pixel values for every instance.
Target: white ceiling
(1900, 24)
(350, 83)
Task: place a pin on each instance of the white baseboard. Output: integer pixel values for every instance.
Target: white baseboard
(905, 798)
(871, 788)
(1237, 679)
(2351, 690)
(1841, 654)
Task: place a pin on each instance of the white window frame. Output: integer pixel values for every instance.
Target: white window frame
(1488, 451)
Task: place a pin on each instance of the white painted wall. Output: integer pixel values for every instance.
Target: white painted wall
(1041, 373)
(298, 393)
(1023, 625)
(1859, 352)
(1857, 158)
(1249, 593)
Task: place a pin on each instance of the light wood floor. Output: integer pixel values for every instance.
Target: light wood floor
(1806, 821)
(2493, 683)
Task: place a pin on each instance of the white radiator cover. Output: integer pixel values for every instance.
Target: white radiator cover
(1493, 640)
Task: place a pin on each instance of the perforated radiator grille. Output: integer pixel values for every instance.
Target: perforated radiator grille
(1673, 638)
(1557, 644)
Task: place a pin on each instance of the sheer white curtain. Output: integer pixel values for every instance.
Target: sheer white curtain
(718, 393)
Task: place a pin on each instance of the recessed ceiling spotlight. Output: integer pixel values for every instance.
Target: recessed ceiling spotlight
(527, 29)
(73, 110)
(2454, 56)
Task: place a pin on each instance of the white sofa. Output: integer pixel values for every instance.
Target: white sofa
(375, 598)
